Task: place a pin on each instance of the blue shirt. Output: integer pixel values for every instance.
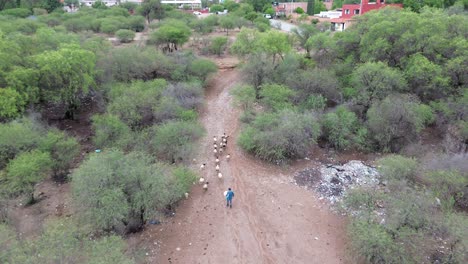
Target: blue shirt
(229, 195)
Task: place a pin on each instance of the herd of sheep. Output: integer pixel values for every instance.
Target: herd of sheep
(218, 149)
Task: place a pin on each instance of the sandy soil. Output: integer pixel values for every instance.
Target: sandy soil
(272, 220)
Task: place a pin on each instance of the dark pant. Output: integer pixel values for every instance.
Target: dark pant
(229, 202)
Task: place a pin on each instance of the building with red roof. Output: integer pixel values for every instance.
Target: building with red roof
(350, 10)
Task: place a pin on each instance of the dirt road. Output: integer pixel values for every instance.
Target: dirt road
(272, 220)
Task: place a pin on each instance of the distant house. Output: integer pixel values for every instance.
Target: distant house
(192, 3)
(289, 7)
(350, 10)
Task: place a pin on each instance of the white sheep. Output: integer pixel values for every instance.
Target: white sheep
(217, 160)
(186, 195)
(217, 167)
(215, 139)
(215, 151)
(228, 156)
(201, 180)
(202, 166)
(220, 176)
(205, 186)
(221, 150)
(215, 146)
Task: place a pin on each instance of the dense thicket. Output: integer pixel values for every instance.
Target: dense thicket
(418, 215)
(146, 127)
(61, 242)
(393, 73)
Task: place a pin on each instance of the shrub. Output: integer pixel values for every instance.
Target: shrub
(316, 81)
(26, 170)
(128, 63)
(11, 103)
(299, 10)
(119, 192)
(76, 24)
(362, 199)
(134, 104)
(136, 23)
(39, 11)
(279, 136)
(244, 96)
(276, 97)
(395, 121)
(62, 242)
(18, 136)
(175, 141)
(201, 68)
(16, 12)
(340, 127)
(396, 167)
(125, 35)
(371, 241)
(186, 95)
(217, 45)
(109, 26)
(62, 148)
(314, 102)
(447, 185)
(111, 132)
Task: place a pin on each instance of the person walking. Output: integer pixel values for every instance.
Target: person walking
(229, 196)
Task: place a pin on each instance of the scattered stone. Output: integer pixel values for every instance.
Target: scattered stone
(331, 181)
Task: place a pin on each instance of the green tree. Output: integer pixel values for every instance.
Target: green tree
(65, 75)
(426, 78)
(172, 34)
(26, 170)
(275, 43)
(375, 81)
(303, 32)
(258, 5)
(310, 7)
(119, 192)
(247, 42)
(151, 9)
(227, 22)
(216, 8)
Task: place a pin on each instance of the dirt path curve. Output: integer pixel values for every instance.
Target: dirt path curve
(272, 220)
